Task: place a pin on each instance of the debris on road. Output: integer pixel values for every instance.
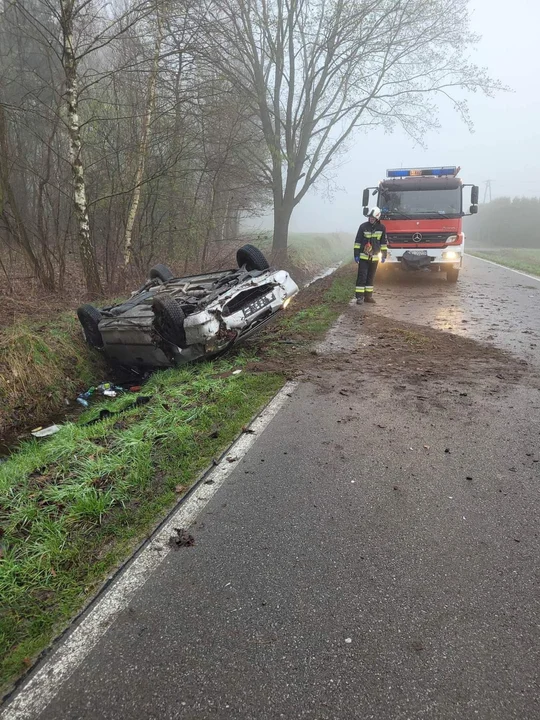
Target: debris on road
(182, 539)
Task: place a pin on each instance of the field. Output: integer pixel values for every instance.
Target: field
(520, 259)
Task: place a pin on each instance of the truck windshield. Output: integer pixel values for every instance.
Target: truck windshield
(420, 203)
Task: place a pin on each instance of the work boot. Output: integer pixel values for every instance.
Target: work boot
(369, 298)
(359, 300)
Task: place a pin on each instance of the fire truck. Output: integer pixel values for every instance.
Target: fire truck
(423, 210)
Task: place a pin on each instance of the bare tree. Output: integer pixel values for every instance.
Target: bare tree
(69, 63)
(316, 70)
(143, 145)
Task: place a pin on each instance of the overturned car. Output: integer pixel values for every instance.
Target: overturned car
(170, 321)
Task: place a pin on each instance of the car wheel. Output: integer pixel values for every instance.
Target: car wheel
(161, 272)
(252, 258)
(89, 317)
(169, 320)
(452, 275)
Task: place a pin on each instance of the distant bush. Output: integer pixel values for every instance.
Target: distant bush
(505, 222)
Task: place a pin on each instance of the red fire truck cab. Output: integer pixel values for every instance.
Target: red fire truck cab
(423, 210)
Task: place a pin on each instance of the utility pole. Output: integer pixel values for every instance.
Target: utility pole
(487, 190)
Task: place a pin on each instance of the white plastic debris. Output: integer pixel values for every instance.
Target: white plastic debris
(348, 641)
(236, 372)
(45, 432)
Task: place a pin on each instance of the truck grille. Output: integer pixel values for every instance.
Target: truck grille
(406, 238)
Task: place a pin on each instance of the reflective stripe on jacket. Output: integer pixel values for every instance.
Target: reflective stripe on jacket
(370, 234)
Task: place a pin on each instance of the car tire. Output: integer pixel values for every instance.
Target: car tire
(161, 272)
(90, 317)
(452, 275)
(169, 320)
(252, 258)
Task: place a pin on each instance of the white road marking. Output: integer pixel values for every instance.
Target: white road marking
(40, 689)
(505, 267)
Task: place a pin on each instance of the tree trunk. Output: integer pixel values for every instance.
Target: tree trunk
(143, 146)
(282, 218)
(69, 61)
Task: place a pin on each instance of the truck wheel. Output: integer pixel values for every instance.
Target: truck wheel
(161, 272)
(89, 317)
(169, 320)
(252, 258)
(452, 275)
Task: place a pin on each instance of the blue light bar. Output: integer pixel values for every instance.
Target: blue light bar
(423, 172)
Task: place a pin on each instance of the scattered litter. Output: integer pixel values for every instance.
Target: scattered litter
(248, 431)
(179, 489)
(426, 447)
(182, 539)
(135, 388)
(209, 482)
(447, 451)
(45, 432)
(348, 641)
(236, 372)
(105, 388)
(231, 459)
(469, 477)
(383, 427)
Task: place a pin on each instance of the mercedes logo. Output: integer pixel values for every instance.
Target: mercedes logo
(417, 237)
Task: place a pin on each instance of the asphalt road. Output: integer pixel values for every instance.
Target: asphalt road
(368, 558)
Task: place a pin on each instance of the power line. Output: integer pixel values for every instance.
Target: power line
(487, 190)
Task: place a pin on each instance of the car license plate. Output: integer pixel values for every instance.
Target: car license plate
(257, 305)
(418, 252)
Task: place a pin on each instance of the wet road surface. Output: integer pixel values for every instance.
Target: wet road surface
(373, 556)
(488, 303)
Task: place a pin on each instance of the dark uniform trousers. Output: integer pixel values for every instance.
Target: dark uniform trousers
(366, 275)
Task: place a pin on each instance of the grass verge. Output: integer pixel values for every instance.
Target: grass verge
(42, 365)
(527, 261)
(74, 505)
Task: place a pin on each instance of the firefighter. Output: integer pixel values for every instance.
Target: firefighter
(370, 241)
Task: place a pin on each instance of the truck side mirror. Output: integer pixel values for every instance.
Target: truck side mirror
(475, 190)
(365, 198)
(473, 209)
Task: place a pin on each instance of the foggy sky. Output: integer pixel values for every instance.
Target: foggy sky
(504, 148)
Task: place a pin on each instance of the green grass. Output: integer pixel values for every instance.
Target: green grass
(520, 259)
(42, 365)
(318, 318)
(73, 506)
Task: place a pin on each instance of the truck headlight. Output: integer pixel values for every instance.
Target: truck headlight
(451, 255)
(287, 301)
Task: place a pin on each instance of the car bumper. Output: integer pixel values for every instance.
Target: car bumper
(447, 257)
